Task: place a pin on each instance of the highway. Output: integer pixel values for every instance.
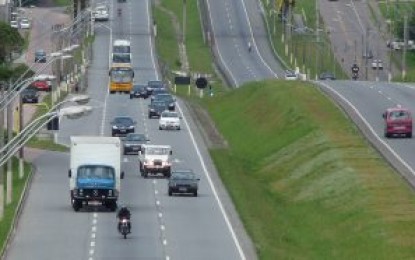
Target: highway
(351, 28)
(365, 102)
(163, 227)
(234, 24)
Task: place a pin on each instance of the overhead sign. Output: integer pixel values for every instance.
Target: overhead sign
(201, 82)
(179, 80)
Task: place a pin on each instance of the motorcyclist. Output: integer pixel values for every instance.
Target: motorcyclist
(124, 213)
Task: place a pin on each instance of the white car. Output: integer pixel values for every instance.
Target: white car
(290, 75)
(169, 120)
(14, 24)
(24, 24)
(101, 13)
(377, 64)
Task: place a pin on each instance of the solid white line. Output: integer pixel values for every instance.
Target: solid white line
(104, 109)
(217, 48)
(151, 41)
(402, 161)
(254, 42)
(212, 187)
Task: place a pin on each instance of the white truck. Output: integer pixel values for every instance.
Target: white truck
(155, 159)
(95, 171)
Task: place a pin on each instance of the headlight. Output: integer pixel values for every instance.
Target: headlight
(109, 192)
(114, 127)
(127, 145)
(172, 184)
(152, 109)
(131, 127)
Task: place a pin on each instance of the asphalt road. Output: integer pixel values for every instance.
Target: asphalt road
(351, 30)
(163, 227)
(365, 102)
(234, 24)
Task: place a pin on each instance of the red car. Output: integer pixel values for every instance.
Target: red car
(398, 121)
(42, 85)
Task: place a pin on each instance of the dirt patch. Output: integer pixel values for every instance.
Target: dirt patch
(212, 137)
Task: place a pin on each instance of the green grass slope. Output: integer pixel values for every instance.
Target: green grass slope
(304, 181)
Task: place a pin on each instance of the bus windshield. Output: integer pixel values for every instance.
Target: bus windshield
(121, 75)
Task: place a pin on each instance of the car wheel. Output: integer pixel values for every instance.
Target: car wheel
(387, 135)
(409, 135)
(112, 92)
(195, 194)
(170, 192)
(145, 174)
(160, 128)
(131, 97)
(149, 116)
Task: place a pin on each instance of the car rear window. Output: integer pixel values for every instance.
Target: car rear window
(399, 115)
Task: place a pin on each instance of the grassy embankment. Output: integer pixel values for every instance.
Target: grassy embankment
(305, 183)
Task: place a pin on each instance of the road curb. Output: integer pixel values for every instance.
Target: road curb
(18, 213)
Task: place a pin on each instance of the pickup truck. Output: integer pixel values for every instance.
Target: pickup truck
(155, 159)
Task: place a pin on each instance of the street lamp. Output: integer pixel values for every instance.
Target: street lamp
(71, 112)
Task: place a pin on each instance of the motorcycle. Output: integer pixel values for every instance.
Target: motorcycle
(124, 227)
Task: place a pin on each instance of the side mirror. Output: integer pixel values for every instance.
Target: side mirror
(69, 173)
(122, 175)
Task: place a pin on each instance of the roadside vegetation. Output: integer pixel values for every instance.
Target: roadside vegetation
(305, 182)
(10, 210)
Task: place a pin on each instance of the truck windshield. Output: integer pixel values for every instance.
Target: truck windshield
(95, 172)
(157, 151)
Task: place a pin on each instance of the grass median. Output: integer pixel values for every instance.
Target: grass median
(305, 182)
(11, 209)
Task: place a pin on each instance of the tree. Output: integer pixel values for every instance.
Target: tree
(11, 40)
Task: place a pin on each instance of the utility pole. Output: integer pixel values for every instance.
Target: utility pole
(19, 130)
(317, 34)
(2, 145)
(9, 178)
(405, 44)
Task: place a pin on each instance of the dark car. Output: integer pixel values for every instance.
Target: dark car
(398, 121)
(122, 125)
(167, 98)
(155, 84)
(30, 95)
(327, 76)
(156, 108)
(40, 56)
(157, 91)
(139, 91)
(183, 181)
(132, 143)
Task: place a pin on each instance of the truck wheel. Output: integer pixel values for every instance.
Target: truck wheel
(112, 205)
(77, 205)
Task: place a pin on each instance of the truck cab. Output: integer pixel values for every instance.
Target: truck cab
(155, 159)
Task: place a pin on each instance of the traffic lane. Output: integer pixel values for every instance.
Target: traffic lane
(194, 226)
(97, 89)
(144, 242)
(48, 228)
(371, 104)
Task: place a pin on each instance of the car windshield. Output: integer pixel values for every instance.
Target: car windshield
(399, 115)
(123, 120)
(155, 84)
(139, 88)
(164, 97)
(96, 172)
(135, 137)
(157, 151)
(182, 176)
(169, 114)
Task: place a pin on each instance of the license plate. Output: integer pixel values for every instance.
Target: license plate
(122, 131)
(399, 127)
(182, 189)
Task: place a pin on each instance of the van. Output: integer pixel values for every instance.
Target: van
(398, 121)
